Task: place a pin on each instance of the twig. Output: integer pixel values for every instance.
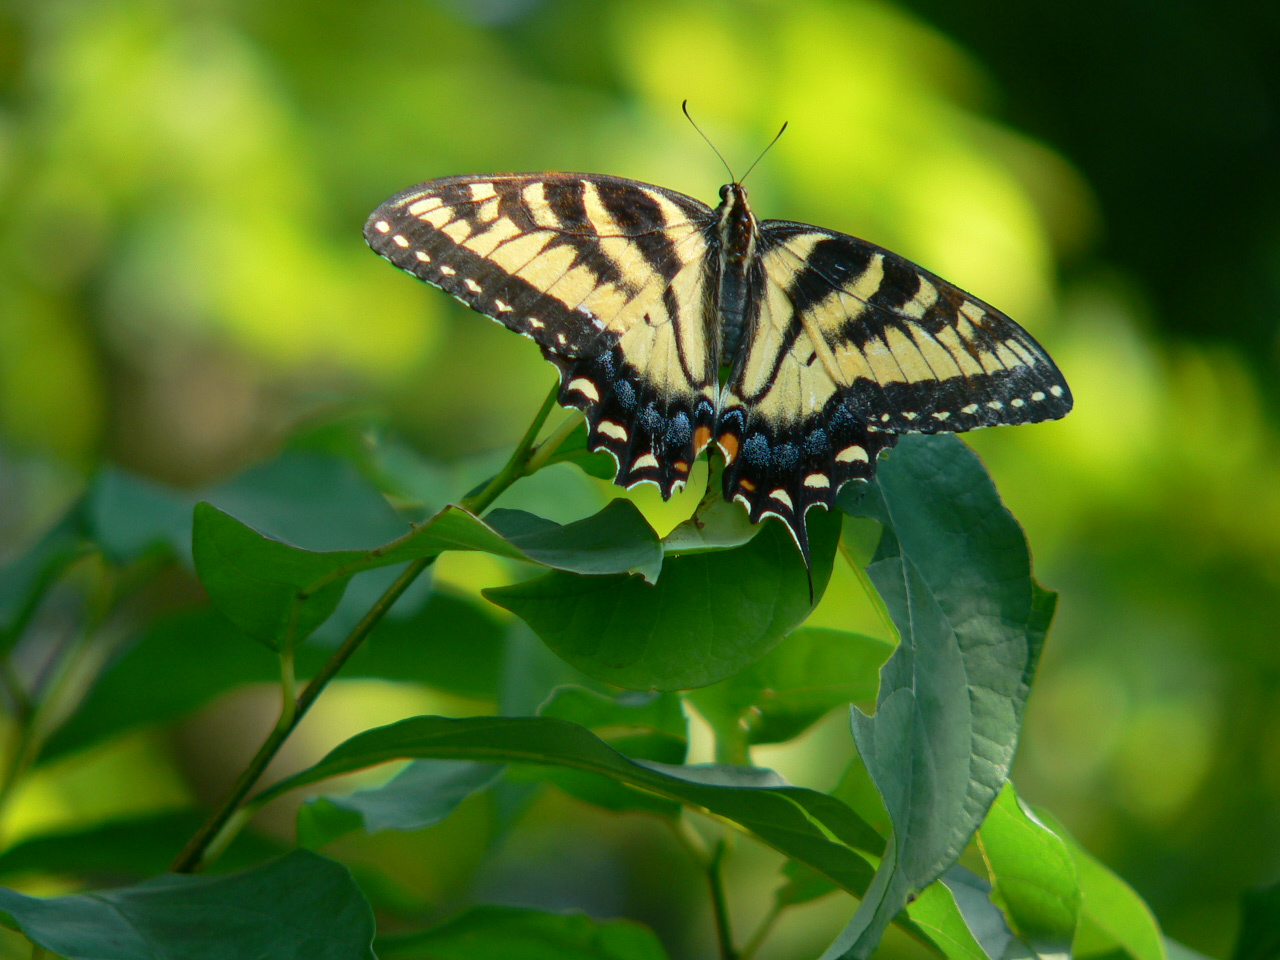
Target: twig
(719, 905)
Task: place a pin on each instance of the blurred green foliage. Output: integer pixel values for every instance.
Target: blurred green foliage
(183, 283)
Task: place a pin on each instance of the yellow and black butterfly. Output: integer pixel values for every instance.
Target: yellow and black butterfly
(640, 295)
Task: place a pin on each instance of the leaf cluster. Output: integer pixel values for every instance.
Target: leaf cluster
(307, 557)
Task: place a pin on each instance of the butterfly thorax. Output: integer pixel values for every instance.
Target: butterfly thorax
(736, 232)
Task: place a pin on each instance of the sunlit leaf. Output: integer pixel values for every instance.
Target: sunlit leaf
(971, 895)
(954, 571)
(716, 525)
(937, 914)
(505, 933)
(299, 906)
(1111, 912)
(811, 672)
(421, 795)
(1033, 874)
(811, 827)
(708, 616)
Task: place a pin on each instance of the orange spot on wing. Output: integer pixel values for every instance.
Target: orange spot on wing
(729, 444)
(747, 485)
(680, 467)
(701, 437)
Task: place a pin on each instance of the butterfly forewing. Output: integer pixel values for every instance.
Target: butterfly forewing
(608, 276)
(908, 351)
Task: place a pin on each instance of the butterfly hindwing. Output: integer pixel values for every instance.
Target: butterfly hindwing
(607, 275)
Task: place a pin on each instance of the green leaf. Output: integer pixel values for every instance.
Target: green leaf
(798, 682)
(139, 847)
(274, 592)
(279, 593)
(1111, 911)
(810, 827)
(1259, 937)
(937, 914)
(618, 539)
(1033, 874)
(501, 933)
(954, 571)
(184, 661)
(299, 906)
(645, 726)
(715, 525)
(971, 896)
(708, 616)
(642, 726)
(421, 795)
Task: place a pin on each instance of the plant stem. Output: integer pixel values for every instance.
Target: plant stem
(288, 688)
(538, 459)
(719, 905)
(224, 823)
(762, 932)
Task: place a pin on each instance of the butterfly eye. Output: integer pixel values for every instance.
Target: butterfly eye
(724, 191)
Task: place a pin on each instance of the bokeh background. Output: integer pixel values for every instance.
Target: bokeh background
(183, 283)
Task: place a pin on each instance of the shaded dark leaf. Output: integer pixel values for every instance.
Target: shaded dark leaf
(279, 593)
(139, 847)
(954, 571)
(709, 615)
(299, 907)
(810, 827)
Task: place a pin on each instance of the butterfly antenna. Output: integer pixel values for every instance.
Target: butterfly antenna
(765, 150)
(685, 107)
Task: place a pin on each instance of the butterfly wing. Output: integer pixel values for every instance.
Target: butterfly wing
(852, 346)
(608, 276)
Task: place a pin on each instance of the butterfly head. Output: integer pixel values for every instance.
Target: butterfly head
(737, 224)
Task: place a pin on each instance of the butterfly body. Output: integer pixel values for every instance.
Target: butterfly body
(640, 296)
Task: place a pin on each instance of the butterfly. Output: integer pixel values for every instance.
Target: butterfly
(803, 353)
